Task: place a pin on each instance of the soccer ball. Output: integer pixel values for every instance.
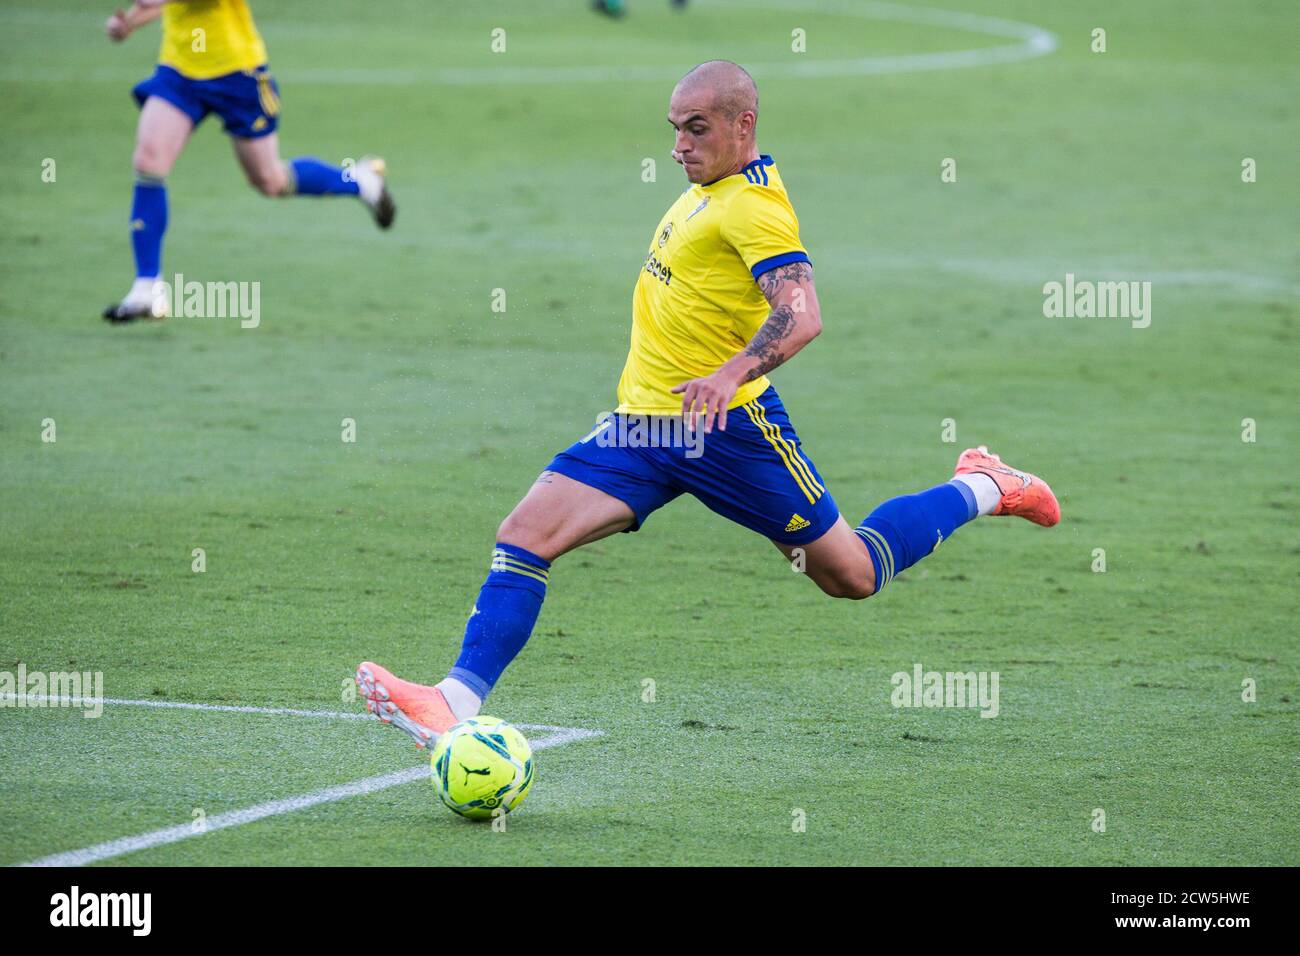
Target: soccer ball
(482, 765)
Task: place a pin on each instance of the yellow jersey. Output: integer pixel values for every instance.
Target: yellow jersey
(696, 302)
(202, 39)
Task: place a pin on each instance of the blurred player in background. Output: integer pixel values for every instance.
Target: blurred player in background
(213, 61)
(617, 8)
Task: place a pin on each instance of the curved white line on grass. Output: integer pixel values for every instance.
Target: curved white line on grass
(235, 818)
(1031, 42)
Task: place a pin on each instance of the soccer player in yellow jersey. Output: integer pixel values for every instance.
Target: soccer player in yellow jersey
(213, 61)
(725, 296)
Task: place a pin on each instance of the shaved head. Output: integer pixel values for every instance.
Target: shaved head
(714, 109)
(726, 84)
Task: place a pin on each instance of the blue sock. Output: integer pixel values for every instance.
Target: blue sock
(315, 178)
(148, 223)
(903, 530)
(503, 618)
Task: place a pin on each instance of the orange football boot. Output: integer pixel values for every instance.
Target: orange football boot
(1023, 494)
(418, 709)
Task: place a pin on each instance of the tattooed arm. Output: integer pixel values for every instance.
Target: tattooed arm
(795, 320)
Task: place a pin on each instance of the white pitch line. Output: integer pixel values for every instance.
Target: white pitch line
(1032, 42)
(45, 700)
(235, 818)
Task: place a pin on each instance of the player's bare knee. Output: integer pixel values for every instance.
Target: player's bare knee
(519, 530)
(859, 591)
(511, 530)
(268, 182)
(849, 588)
(263, 185)
(150, 160)
(855, 591)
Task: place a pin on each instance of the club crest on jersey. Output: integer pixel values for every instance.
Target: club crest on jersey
(664, 236)
(700, 208)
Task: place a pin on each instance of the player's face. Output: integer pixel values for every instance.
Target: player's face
(707, 145)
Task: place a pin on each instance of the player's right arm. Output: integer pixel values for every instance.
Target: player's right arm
(762, 228)
(794, 321)
(125, 22)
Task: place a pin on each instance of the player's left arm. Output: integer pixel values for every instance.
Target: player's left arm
(794, 321)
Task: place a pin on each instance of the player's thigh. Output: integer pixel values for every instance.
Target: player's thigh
(160, 135)
(837, 562)
(559, 514)
(259, 157)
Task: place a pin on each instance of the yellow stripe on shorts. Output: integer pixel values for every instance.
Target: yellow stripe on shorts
(775, 442)
(270, 102)
(794, 452)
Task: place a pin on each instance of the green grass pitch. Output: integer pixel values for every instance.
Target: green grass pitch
(1120, 691)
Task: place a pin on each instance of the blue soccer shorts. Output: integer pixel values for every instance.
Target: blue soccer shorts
(248, 102)
(755, 473)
